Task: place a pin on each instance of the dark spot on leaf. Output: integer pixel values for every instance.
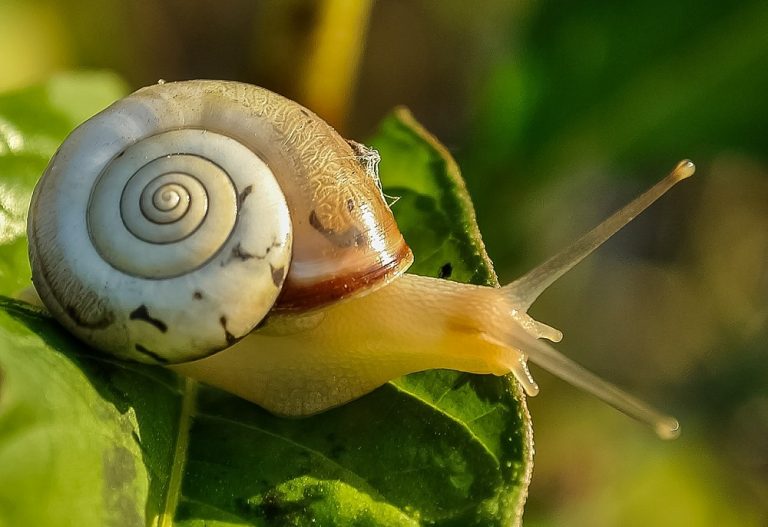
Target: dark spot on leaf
(81, 321)
(197, 295)
(151, 354)
(244, 194)
(227, 335)
(142, 313)
(314, 493)
(445, 271)
(337, 451)
(272, 507)
(279, 508)
(460, 381)
(278, 275)
(119, 472)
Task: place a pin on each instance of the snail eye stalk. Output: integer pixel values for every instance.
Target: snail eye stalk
(523, 292)
(544, 355)
(528, 288)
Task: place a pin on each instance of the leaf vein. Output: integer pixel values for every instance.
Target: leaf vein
(452, 417)
(179, 457)
(359, 480)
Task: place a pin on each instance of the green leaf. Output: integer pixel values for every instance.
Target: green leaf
(432, 207)
(84, 440)
(88, 440)
(33, 123)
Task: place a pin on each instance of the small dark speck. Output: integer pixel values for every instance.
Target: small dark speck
(278, 275)
(197, 295)
(152, 354)
(273, 508)
(315, 221)
(350, 205)
(142, 313)
(306, 113)
(337, 451)
(244, 194)
(261, 324)
(461, 380)
(445, 271)
(240, 254)
(227, 335)
(351, 237)
(121, 154)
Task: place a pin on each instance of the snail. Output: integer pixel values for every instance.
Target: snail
(230, 234)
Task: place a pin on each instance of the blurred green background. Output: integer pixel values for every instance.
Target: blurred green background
(558, 113)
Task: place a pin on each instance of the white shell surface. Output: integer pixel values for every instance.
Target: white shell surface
(157, 243)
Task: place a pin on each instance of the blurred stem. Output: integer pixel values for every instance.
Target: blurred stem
(333, 64)
(34, 43)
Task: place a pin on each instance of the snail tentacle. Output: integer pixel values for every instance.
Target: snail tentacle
(526, 289)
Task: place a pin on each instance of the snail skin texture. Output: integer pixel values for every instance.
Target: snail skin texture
(230, 234)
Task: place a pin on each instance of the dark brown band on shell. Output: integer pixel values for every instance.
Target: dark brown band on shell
(300, 297)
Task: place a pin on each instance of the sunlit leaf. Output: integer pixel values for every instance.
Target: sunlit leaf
(89, 440)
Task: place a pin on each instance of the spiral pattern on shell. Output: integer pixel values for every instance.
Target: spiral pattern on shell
(156, 244)
(183, 204)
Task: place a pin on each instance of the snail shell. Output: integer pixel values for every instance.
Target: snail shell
(169, 225)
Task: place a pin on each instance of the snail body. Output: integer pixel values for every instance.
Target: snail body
(229, 233)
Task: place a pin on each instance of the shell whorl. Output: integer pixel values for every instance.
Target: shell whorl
(183, 204)
(158, 245)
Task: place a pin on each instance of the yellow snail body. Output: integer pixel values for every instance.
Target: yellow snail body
(229, 233)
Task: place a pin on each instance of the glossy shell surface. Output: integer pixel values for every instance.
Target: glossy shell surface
(170, 224)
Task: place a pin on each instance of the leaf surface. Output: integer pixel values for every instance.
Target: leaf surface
(88, 440)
